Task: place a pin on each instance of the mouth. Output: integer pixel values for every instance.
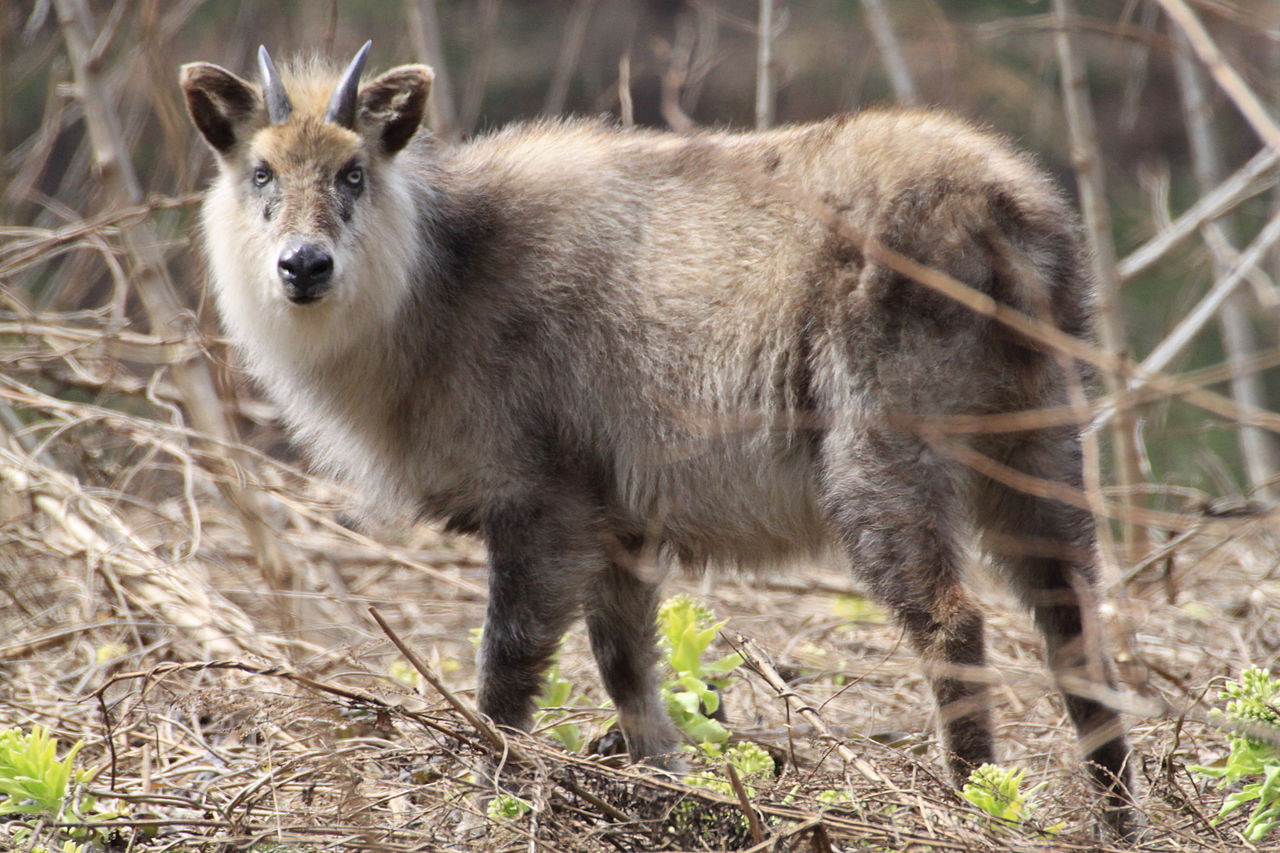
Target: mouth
(304, 295)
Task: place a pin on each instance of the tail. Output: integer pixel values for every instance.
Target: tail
(1019, 248)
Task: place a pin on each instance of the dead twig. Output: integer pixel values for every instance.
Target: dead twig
(758, 663)
(1249, 104)
(495, 738)
(1096, 213)
(152, 280)
(895, 64)
(744, 801)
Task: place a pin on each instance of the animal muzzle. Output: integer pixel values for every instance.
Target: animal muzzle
(306, 270)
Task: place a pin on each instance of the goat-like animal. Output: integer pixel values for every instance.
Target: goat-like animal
(588, 344)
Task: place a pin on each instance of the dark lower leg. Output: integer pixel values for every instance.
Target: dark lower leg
(512, 661)
(1102, 740)
(1047, 548)
(531, 603)
(950, 639)
(620, 610)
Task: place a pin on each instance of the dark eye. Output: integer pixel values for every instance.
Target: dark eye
(353, 177)
(261, 176)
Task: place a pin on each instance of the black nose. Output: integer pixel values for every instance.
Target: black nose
(305, 270)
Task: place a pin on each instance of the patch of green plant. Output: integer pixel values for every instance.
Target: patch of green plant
(555, 698)
(752, 762)
(753, 765)
(686, 628)
(857, 608)
(505, 807)
(1253, 705)
(998, 792)
(36, 783)
(403, 673)
(834, 797)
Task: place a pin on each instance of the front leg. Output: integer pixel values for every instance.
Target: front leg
(540, 555)
(621, 609)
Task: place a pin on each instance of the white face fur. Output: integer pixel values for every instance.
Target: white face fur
(372, 252)
(307, 160)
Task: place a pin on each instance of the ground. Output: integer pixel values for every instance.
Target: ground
(225, 715)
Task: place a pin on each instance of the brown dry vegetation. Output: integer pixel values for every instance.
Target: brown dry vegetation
(179, 593)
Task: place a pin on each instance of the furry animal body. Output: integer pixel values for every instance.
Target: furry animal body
(588, 344)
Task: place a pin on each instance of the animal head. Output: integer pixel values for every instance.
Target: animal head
(309, 215)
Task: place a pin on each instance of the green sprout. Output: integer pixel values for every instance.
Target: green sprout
(1253, 703)
(686, 629)
(753, 765)
(506, 807)
(556, 696)
(404, 674)
(998, 792)
(857, 608)
(751, 760)
(834, 798)
(34, 782)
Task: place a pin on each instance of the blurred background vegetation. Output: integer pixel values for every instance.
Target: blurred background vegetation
(684, 63)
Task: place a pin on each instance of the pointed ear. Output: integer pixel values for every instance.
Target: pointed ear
(223, 106)
(392, 105)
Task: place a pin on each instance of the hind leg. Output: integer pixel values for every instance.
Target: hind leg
(1046, 547)
(895, 506)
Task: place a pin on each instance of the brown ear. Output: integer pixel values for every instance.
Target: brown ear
(392, 105)
(220, 103)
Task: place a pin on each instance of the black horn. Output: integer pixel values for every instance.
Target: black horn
(342, 106)
(278, 106)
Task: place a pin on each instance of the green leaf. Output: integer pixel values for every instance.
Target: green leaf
(856, 608)
(996, 791)
(751, 760)
(506, 807)
(1253, 700)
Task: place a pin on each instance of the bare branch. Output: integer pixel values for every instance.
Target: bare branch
(1250, 106)
(626, 107)
(1238, 339)
(1097, 220)
(152, 280)
(1207, 307)
(480, 67)
(1250, 179)
(424, 29)
(895, 65)
(764, 66)
(575, 33)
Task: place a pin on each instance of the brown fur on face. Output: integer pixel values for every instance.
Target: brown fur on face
(590, 344)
